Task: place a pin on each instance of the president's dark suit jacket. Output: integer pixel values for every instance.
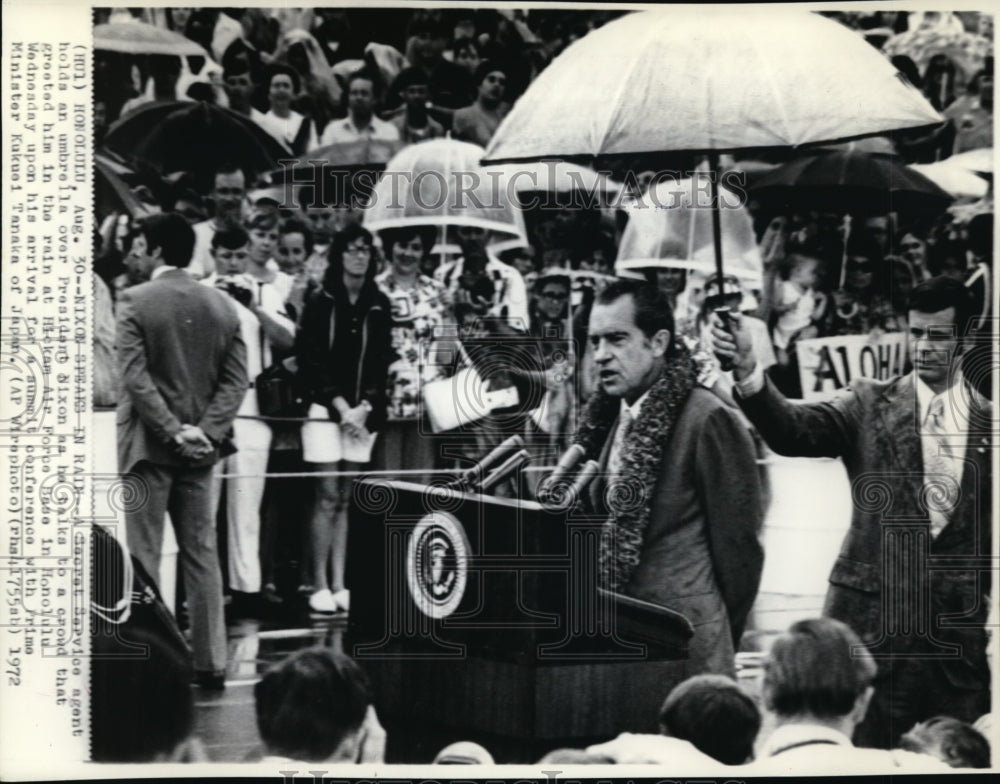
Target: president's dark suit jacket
(875, 430)
(182, 361)
(700, 554)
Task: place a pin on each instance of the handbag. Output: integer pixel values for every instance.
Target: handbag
(462, 398)
(278, 393)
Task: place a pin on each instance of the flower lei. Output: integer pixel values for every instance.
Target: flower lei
(629, 497)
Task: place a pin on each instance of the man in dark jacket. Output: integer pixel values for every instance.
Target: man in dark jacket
(183, 368)
(681, 489)
(912, 578)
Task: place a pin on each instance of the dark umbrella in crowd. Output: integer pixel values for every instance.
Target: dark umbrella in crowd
(707, 80)
(194, 137)
(851, 180)
(112, 193)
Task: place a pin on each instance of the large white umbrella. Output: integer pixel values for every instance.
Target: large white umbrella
(440, 183)
(556, 176)
(682, 78)
(706, 79)
(671, 226)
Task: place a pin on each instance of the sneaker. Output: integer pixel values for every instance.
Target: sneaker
(323, 602)
(342, 599)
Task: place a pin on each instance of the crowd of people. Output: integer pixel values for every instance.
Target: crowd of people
(316, 706)
(267, 353)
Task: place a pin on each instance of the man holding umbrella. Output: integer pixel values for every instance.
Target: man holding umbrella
(910, 578)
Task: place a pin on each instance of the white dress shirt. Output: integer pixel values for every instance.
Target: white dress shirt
(344, 131)
(626, 416)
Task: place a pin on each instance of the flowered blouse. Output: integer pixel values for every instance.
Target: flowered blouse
(417, 316)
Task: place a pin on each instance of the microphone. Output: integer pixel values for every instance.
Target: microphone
(568, 462)
(471, 477)
(512, 464)
(562, 497)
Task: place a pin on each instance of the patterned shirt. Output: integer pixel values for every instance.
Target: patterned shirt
(417, 315)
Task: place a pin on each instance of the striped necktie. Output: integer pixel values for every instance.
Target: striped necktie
(941, 490)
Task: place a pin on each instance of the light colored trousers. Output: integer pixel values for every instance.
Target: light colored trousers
(244, 495)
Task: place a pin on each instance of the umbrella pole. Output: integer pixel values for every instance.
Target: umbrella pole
(843, 256)
(713, 175)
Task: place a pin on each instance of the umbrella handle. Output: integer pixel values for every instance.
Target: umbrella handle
(713, 178)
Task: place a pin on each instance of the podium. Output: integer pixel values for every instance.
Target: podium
(480, 617)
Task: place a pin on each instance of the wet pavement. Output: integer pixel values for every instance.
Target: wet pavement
(225, 721)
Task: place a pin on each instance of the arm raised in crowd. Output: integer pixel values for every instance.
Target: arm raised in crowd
(798, 430)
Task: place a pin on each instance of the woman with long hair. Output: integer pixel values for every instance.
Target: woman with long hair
(343, 349)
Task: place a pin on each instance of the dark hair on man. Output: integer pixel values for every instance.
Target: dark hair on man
(486, 67)
(405, 235)
(334, 276)
(715, 715)
(935, 294)
(817, 667)
(295, 226)
(362, 73)
(229, 167)
(280, 69)
(652, 306)
(950, 740)
(230, 238)
(309, 703)
(169, 232)
(410, 77)
(264, 219)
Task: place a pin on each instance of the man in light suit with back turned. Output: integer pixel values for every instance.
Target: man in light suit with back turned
(183, 368)
(912, 578)
(680, 486)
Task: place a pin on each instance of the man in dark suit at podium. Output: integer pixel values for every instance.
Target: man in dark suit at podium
(678, 478)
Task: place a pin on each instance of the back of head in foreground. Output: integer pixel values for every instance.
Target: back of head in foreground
(818, 684)
(952, 741)
(818, 672)
(715, 715)
(311, 707)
